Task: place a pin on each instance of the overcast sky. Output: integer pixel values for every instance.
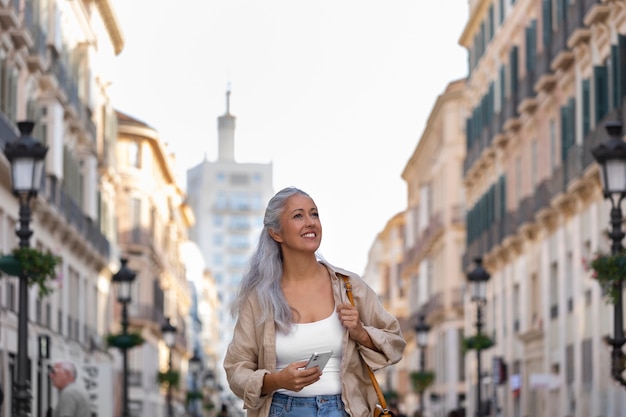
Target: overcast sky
(335, 93)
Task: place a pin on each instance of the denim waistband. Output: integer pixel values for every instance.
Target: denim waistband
(316, 401)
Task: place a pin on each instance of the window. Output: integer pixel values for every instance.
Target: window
(239, 223)
(240, 201)
(601, 91)
(239, 179)
(553, 145)
(135, 219)
(554, 290)
(518, 179)
(133, 154)
(221, 200)
(534, 166)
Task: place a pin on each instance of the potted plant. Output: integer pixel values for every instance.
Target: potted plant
(170, 378)
(194, 395)
(38, 266)
(479, 341)
(421, 380)
(609, 270)
(125, 341)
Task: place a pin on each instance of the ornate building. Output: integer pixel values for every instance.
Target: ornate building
(51, 73)
(431, 266)
(544, 76)
(152, 223)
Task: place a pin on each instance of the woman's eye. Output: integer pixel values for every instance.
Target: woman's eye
(315, 214)
(297, 216)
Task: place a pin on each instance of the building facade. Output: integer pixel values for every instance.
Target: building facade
(228, 199)
(152, 221)
(544, 77)
(383, 274)
(49, 74)
(431, 266)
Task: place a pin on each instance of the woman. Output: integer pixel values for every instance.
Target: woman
(290, 305)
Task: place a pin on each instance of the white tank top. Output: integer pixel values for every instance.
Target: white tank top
(304, 340)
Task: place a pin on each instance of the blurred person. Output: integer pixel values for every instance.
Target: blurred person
(293, 303)
(73, 398)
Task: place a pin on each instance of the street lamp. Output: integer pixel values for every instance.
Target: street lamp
(123, 280)
(611, 156)
(169, 336)
(478, 278)
(195, 368)
(421, 330)
(26, 156)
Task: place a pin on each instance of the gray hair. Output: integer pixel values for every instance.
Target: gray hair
(67, 366)
(265, 268)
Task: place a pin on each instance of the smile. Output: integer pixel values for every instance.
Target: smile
(310, 234)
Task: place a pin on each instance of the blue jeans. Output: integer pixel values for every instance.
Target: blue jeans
(320, 406)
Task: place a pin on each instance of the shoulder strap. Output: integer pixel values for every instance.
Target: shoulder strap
(381, 397)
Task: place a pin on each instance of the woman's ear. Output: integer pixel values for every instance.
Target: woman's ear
(275, 235)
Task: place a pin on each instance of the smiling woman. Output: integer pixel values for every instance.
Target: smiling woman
(291, 305)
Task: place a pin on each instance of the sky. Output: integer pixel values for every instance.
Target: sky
(334, 93)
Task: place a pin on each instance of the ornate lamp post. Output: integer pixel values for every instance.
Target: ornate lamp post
(26, 156)
(421, 330)
(195, 367)
(123, 280)
(478, 280)
(169, 336)
(611, 156)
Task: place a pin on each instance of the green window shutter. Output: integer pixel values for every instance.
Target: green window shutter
(501, 11)
(491, 106)
(531, 46)
(586, 98)
(565, 139)
(502, 83)
(502, 196)
(560, 12)
(571, 106)
(513, 62)
(621, 39)
(468, 130)
(615, 78)
(492, 29)
(546, 18)
(600, 89)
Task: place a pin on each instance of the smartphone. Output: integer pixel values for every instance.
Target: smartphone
(319, 359)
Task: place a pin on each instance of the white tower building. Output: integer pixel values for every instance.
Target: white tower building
(228, 199)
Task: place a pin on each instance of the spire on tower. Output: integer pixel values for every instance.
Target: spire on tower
(228, 98)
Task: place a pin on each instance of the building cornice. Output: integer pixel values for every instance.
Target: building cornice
(112, 25)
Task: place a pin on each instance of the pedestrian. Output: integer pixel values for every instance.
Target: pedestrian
(73, 399)
(291, 304)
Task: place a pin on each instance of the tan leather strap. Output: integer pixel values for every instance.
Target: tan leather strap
(381, 397)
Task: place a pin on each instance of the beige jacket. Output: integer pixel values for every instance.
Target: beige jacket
(252, 351)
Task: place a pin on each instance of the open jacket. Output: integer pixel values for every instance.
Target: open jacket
(252, 351)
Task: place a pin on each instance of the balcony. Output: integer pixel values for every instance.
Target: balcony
(9, 18)
(73, 214)
(428, 235)
(145, 315)
(37, 61)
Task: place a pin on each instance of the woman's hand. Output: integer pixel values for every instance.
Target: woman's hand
(349, 318)
(293, 378)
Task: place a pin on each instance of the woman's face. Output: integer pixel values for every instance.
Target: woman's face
(301, 229)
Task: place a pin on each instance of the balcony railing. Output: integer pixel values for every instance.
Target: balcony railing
(74, 215)
(414, 255)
